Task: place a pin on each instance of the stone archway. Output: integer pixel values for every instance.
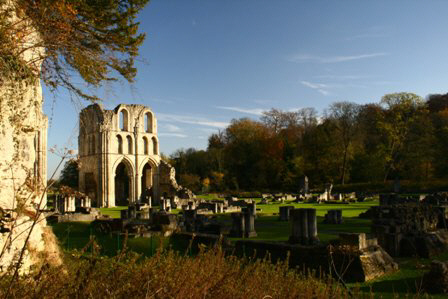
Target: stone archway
(123, 184)
(147, 184)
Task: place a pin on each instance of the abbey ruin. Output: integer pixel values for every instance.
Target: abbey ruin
(119, 157)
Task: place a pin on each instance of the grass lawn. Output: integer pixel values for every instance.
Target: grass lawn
(112, 212)
(401, 284)
(76, 235)
(348, 210)
(405, 283)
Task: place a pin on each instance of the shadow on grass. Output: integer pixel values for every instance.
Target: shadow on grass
(76, 235)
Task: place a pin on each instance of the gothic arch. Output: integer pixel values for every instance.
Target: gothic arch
(155, 146)
(130, 145)
(148, 122)
(119, 144)
(123, 172)
(123, 119)
(145, 146)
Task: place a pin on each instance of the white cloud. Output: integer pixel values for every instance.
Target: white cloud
(209, 130)
(319, 87)
(173, 135)
(191, 120)
(171, 128)
(300, 58)
(256, 111)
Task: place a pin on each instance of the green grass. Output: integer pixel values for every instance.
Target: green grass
(112, 212)
(208, 196)
(396, 285)
(348, 210)
(76, 235)
(269, 228)
(404, 282)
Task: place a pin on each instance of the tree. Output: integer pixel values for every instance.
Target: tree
(344, 117)
(56, 42)
(401, 111)
(95, 40)
(70, 174)
(277, 119)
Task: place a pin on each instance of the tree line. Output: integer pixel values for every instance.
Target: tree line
(401, 137)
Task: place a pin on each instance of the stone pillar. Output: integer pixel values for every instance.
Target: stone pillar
(60, 204)
(333, 216)
(173, 203)
(249, 224)
(339, 216)
(355, 240)
(214, 207)
(304, 189)
(312, 227)
(284, 212)
(73, 204)
(238, 225)
(299, 226)
(67, 203)
(145, 213)
(220, 207)
(328, 188)
(303, 226)
(163, 204)
(190, 219)
(252, 209)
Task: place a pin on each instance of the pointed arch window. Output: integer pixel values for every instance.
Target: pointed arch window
(120, 144)
(123, 120)
(148, 122)
(129, 139)
(155, 146)
(145, 146)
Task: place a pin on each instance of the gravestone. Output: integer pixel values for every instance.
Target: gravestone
(238, 225)
(333, 217)
(303, 227)
(303, 185)
(328, 188)
(252, 208)
(249, 224)
(284, 212)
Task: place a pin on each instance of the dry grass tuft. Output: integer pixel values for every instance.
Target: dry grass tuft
(210, 274)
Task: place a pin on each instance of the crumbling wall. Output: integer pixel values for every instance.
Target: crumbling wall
(168, 184)
(23, 175)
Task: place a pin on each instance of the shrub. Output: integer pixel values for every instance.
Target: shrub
(210, 274)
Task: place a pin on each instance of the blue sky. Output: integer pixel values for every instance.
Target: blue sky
(205, 63)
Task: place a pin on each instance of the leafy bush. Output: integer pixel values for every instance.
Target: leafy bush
(210, 274)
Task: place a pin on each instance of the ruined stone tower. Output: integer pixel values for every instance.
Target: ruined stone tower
(119, 155)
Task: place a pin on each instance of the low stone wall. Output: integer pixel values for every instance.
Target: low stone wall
(352, 264)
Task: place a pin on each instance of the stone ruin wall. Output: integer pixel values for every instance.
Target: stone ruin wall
(169, 187)
(100, 136)
(23, 129)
